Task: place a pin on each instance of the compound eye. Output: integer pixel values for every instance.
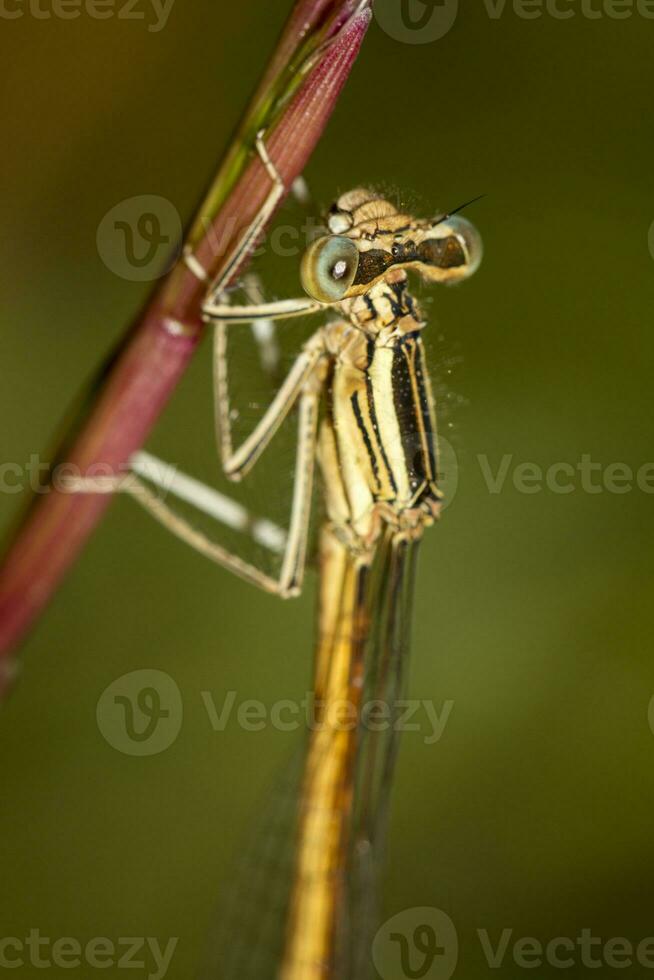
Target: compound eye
(470, 239)
(329, 267)
(454, 253)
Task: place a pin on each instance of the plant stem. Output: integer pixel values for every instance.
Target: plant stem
(293, 103)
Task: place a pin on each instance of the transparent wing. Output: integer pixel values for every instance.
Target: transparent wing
(247, 941)
(386, 667)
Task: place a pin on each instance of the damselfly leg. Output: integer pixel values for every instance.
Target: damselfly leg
(302, 388)
(251, 234)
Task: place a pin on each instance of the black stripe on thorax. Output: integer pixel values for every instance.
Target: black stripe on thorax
(412, 410)
(427, 411)
(365, 435)
(371, 348)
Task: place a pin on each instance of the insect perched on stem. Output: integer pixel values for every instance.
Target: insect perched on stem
(366, 415)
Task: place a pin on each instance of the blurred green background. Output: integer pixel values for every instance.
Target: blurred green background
(533, 611)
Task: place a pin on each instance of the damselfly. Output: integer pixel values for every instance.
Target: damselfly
(365, 413)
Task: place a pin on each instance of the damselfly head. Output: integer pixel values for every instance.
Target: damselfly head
(369, 237)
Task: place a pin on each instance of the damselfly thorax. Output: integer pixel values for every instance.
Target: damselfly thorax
(378, 446)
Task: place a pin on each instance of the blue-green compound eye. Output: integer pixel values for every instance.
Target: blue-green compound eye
(328, 268)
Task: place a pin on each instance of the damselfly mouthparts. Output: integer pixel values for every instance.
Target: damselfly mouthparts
(366, 415)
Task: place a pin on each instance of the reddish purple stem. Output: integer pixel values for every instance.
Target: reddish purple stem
(153, 361)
